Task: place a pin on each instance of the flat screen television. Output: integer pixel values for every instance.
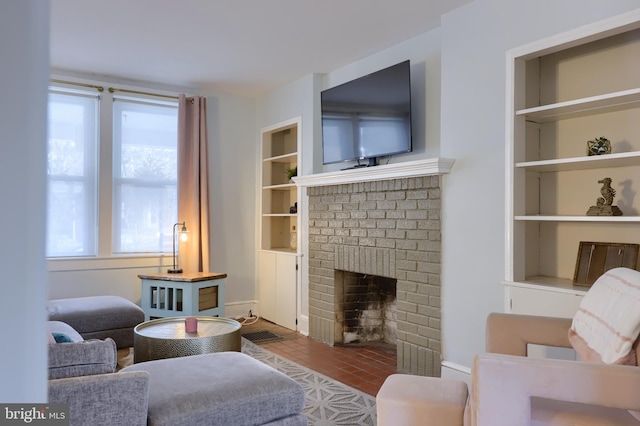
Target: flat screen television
(367, 118)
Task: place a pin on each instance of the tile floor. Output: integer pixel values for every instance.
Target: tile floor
(361, 366)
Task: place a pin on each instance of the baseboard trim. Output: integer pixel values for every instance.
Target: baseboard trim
(303, 325)
(241, 309)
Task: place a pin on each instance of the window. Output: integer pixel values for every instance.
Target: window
(145, 177)
(125, 203)
(71, 171)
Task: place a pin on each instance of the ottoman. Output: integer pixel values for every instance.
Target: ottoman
(405, 399)
(225, 388)
(98, 317)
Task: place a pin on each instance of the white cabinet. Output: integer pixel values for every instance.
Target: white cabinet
(279, 223)
(550, 301)
(563, 92)
(278, 288)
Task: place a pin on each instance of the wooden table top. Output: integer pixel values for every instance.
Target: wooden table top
(185, 276)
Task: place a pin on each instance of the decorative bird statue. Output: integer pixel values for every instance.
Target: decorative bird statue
(607, 192)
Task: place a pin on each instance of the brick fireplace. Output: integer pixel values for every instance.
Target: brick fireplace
(389, 228)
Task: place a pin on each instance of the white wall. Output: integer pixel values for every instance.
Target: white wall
(232, 147)
(24, 71)
(233, 151)
(302, 98)
(424, 53)
(459, 93)
(475, 39)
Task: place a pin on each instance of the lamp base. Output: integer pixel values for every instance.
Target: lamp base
(174, 271)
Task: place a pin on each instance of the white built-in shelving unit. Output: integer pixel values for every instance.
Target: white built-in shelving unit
(278, 276)
(562, 92)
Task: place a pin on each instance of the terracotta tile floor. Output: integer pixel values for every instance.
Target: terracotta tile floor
(361, 366)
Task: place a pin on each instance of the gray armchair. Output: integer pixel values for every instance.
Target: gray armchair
(104, 399)
(82, 374)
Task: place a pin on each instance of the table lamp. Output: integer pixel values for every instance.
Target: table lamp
(183, 237)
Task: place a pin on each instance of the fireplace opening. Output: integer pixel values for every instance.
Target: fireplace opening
(367, 308)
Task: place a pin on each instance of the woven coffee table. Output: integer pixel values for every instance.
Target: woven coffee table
(167, 338)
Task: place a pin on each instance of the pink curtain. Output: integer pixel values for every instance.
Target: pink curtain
(193, 182)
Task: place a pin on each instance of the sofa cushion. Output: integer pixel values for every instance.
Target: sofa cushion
(82, 358)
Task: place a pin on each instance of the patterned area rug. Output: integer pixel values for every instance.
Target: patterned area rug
(328, 402)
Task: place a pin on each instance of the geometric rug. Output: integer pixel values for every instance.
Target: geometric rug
(328, 402)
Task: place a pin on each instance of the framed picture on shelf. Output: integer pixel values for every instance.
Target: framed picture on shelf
(595, 258)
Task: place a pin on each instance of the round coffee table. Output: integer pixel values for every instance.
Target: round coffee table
(166, 338)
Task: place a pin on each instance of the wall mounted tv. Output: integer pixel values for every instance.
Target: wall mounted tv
(367, 118)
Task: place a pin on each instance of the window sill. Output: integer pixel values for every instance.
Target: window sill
(65, 264)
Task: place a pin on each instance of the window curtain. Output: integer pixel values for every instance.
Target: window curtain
(193, 182)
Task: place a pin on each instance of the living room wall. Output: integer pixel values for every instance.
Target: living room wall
(475, 39)
(461, 115)
(302, 98)
(473, 42)
(232, 151)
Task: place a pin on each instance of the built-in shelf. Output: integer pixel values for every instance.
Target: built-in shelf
(283, 250)
(621, 159)
(281, 187)
(551, 218)
(555, 284)
(431, 166)
(608, 102)
(285, 158)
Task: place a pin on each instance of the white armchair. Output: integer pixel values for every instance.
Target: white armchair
(510, 389)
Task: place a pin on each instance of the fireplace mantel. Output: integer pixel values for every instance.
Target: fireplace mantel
(430, 166)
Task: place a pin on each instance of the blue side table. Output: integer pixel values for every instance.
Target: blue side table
(185, 294)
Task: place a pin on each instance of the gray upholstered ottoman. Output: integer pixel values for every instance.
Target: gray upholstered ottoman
(225, 388)
(99, 317)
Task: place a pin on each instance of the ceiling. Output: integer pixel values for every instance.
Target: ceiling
(244, 47)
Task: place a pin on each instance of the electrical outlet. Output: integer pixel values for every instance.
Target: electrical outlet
(250, 314)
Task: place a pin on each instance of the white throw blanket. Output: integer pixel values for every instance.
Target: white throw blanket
(608, 321)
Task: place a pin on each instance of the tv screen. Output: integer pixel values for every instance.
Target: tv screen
(369, 117)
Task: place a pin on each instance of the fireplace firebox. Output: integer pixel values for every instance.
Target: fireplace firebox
(367, 310)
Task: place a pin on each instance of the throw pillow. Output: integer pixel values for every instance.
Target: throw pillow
(61, 338)
(607, 323)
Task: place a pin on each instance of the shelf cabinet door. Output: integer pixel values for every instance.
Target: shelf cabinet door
(278, 288)
(286, 290)
(548, 303)
(267, 284)
(528, 301)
